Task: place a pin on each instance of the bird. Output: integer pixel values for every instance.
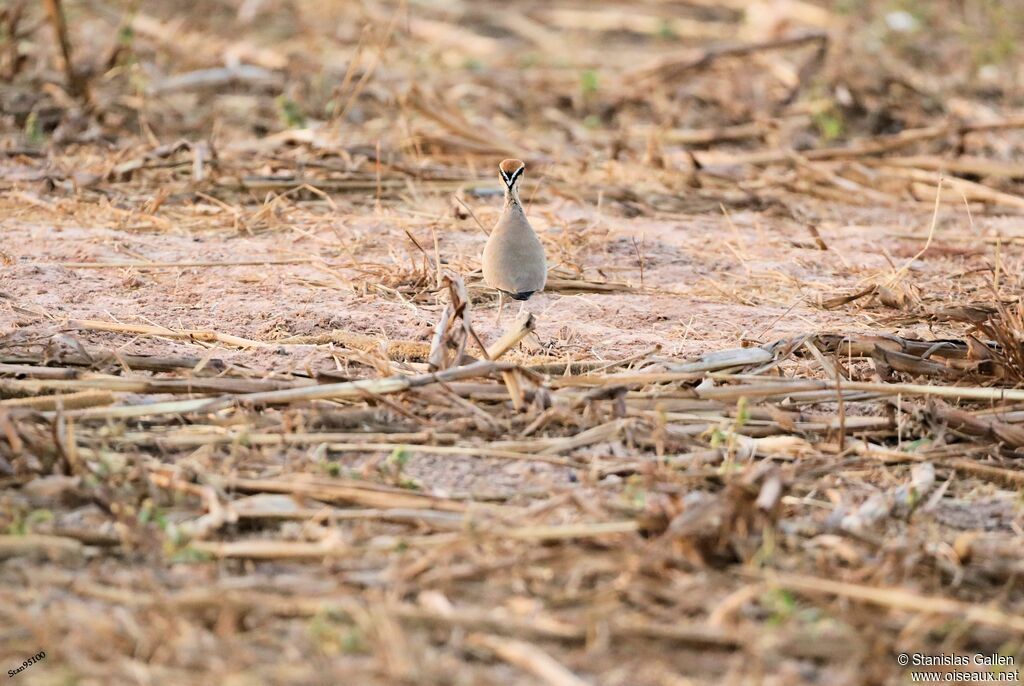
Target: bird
(514, 263)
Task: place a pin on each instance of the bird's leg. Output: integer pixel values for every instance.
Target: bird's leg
(521, 308)
(501, 304)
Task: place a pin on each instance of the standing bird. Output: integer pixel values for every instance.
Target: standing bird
(514, 261)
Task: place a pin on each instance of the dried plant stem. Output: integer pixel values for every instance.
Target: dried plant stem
(900, 599)
(465, 451)
(511, 338)
(349, 390)
(527, 657)
(270, 550)
(143, 266)
(76, 84)
(194, 439)
(197, 335)
(67, 401)
(536, 625)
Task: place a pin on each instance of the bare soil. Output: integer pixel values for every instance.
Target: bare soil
(238, 444)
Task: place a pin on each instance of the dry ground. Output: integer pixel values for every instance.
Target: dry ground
(247, 430)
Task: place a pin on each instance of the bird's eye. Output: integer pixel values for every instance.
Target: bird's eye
(515, 175)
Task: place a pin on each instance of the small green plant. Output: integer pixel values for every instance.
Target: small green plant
(409, 483)
(589, 82)
(915, 445)
(780, 603)
(189, 555)
(33, 129)
(177, 544)
(393, 466)
(126, 36)
(333, 636)
(830, 124)
(16, 527)
(150, 513)
(742, 413)
(353, 642)
(398, 458)
(913, 498)
(38, 517)
(22, 526)
(290, 113)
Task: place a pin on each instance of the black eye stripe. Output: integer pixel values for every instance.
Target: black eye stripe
(511, 179)
(515, 175)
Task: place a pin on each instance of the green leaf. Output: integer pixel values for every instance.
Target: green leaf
(589, 82)
(291, 115)
(33, 129)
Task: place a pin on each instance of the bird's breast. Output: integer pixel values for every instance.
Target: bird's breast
(514, 258)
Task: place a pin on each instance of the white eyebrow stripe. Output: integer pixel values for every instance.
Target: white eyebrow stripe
(505, 176)
(515, 175)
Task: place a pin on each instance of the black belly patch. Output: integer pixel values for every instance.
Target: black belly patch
(524, 295)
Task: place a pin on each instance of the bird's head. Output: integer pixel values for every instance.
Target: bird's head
(511, 171)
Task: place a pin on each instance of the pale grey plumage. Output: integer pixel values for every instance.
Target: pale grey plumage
(514, 261)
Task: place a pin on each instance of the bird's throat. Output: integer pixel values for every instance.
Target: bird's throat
(512, 198)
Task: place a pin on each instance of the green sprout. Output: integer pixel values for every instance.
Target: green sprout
(334, 636)
(290, 113)
(126, 35)
(742, 413)
(830, 124)
(22, 526)
(398, 458)
(33, 129)
(780, 603)
(589, 82)
(189, 555)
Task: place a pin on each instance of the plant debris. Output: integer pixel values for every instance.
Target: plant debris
(257, 424)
